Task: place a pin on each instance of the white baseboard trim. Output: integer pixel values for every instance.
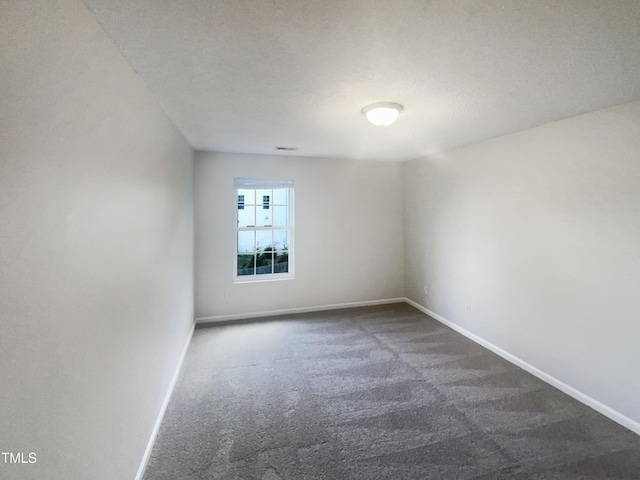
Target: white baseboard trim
(163, 408)
(318, 308)
(569, 390)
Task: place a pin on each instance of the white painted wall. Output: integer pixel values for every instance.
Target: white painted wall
(348, 233)
(532, 242)
(96, 248)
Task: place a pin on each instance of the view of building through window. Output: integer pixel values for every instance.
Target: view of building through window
(263, 229)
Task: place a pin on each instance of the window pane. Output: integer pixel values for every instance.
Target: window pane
(264, 240)
(281, 196)
(280, 216)
(281, 263)
(280, 240)
(264, 262)
(264, 218)
(261, 193)
(246, 264)
(246, 242)
(249, 195)
(247, 216)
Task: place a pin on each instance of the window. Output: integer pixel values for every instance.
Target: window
(264, 230)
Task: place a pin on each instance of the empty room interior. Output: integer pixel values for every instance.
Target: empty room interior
(216, 262)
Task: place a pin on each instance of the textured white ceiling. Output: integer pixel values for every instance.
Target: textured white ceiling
(250, 75)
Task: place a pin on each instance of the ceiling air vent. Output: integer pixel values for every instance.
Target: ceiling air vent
(289, 149)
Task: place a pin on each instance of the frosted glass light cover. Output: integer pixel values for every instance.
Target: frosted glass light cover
(382, 114)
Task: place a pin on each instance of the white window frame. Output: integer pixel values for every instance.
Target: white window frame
(241, 183)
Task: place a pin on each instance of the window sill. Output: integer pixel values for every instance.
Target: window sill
(240, 280)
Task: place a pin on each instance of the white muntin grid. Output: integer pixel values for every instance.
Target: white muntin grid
(264, 230)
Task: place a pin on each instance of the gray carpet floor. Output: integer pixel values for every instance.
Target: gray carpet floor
(373, 393)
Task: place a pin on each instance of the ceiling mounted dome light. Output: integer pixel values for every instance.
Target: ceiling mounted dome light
(382, 114)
